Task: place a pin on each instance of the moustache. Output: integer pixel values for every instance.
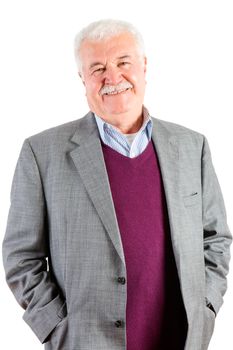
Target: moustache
(108, 89)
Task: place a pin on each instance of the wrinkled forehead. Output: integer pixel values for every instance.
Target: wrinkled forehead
(123, 44)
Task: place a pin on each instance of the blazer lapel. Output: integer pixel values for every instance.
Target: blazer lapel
(167, 149)
(89, 161)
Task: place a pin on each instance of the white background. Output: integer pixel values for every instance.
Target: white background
(189, 82)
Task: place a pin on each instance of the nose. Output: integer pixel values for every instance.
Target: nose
(112, 75)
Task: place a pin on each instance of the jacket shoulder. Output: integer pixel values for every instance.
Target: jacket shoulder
(55, 136)
(182, 133)
(55, 132)
(175, 128)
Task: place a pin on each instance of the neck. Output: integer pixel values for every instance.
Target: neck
(125, 123)
(129, 127)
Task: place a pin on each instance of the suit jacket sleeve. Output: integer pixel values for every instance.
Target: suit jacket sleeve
(217, 236)
(25, 249)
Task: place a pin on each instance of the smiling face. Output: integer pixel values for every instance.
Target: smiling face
(113, 72)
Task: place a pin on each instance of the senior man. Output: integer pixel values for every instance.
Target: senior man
(117, 235)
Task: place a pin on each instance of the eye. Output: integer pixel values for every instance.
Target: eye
(99, 69)
(124, 63)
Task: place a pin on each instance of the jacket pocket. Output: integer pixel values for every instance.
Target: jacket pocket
(209, 323)
(58, 337)
(192, 199)
(63, 311)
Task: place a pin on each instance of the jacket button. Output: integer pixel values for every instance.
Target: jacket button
(121, 280)
(118, 323)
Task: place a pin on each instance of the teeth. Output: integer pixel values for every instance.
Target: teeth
(116, 92)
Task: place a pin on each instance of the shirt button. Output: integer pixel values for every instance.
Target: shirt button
(121, 280)
(119, 323)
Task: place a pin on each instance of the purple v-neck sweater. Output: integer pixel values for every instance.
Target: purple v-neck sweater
(155, 316)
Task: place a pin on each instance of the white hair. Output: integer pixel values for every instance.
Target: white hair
(104, 29)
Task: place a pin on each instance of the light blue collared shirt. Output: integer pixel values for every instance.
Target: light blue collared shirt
(130, 145)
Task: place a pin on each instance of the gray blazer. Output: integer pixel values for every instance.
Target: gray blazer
(62, 249)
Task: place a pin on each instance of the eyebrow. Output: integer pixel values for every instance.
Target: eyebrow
(101, 64)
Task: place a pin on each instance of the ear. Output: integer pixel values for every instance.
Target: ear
(80, 74)
(145, 63)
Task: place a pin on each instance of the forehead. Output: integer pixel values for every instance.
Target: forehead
(120, 45)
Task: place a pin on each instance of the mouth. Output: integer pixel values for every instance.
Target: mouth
(116, 92)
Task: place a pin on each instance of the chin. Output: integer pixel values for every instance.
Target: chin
(118, 110)
(116, 113)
